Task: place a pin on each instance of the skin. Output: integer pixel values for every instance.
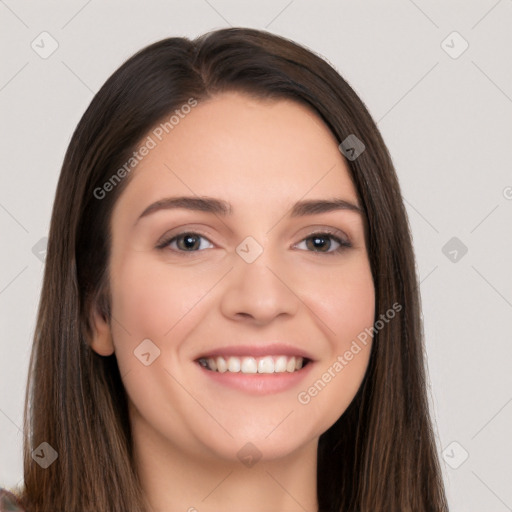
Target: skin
(262, 157)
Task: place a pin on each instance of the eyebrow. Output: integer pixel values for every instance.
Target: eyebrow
(223, 208)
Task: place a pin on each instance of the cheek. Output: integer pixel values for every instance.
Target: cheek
(344, 302)
(150, 299)
(345, 307)
(350, 309)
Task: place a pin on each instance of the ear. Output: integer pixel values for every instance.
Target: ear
(101, 336)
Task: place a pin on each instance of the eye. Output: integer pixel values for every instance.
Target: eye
(322, 242)
(184, 242)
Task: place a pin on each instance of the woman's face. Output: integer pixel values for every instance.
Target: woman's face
(249, 288)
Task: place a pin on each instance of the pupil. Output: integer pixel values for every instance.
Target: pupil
(189, 241)
(318, 240)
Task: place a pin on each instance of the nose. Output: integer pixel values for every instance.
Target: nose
(259, 292)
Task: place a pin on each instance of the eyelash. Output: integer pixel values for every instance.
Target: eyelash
(344, 244)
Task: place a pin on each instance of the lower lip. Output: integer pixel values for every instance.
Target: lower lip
(259, 383)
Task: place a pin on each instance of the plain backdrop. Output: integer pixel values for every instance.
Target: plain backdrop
(437, 78)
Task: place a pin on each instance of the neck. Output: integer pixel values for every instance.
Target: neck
(175, 480)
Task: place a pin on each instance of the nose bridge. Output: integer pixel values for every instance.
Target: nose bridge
(258, 284)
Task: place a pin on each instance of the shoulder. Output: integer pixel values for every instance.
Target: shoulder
(9, 502)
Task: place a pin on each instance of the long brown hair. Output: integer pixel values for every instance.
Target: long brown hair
(380, 456)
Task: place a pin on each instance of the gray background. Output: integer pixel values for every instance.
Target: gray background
(445, 117)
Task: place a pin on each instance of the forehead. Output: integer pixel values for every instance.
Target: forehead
(253, 153)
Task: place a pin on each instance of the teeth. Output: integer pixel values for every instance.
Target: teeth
(248, 365)
(280, 364)
(267, 364)
(222, 366)
(234, 364)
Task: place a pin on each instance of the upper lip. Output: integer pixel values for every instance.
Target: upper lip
(256, 350)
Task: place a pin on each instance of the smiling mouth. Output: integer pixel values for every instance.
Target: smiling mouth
(254, 365)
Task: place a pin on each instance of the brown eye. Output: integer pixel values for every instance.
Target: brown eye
(189, 242)
(326, 243)
(185, 242)
(320, 242)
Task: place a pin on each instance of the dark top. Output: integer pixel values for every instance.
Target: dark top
(9, 502)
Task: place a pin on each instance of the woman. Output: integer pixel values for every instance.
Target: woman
(230, 315)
